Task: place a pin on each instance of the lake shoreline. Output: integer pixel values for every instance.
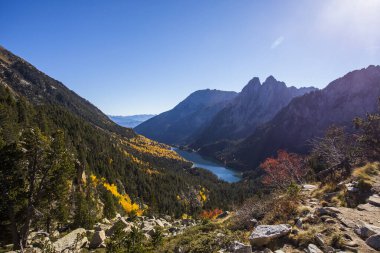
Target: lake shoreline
(220, 170)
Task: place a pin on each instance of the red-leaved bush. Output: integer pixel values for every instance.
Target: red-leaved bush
(283, 170)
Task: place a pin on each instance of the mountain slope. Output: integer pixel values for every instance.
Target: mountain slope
(308, 116)
(26, 80)
(178, 125)
(130, 121)
(256, 103)
(135, 164)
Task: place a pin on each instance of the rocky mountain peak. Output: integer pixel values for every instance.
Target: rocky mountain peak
(252, 85)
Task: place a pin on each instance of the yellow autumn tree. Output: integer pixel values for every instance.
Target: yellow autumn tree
(124, 199)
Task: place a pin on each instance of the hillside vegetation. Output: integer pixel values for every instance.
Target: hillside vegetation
(52, 141)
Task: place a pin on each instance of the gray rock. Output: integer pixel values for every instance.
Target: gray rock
(254, 222)
(374, 241)
(313, 249)
(299, 223)
(72, 241)
(106, 221)
(263, 234)
(331, 211)
(223, 215)
(120, 223)
(374, 200)
(239, 247)
(319, 239)
(366, 230)
(329, 249)
(309, 187)
(55, 234)
(159, 223)
(98, 239)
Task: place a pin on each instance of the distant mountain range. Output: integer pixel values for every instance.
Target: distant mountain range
(212, 116)
(185, 121)
(132, 120)
(256, 104)
(308, 117)
(242, 129)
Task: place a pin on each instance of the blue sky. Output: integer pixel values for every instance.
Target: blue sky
(131, 57)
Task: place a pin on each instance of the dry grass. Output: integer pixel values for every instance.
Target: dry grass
(367, 172)
(303, 210)
(325, 188)
(282, 210)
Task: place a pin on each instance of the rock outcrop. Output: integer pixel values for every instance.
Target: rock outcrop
(72, 241)
(263, 234)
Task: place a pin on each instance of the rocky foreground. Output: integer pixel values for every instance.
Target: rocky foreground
(342, 218)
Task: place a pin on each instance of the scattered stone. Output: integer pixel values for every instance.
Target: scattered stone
(374, 241)
(263, 234)
(374, 200)
(223, 215)
(346, 222)
(239, 247)
(352, 244)
(32, 250)
(159, 223)
(329, 249)
(313, 249)
(105, 221)
(253, 222)
(319, 239)
(72, 241)
(309, 187)
(366, 230)
(299, 223)
(173, 229)
(331, 211)
(121, 223)
(167, 217)
(55, 234)
(330, 221)
(98, 239)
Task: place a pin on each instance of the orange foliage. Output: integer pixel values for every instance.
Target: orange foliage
(211, 214)
(283, 170)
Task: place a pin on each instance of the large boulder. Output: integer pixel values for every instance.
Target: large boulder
(72, 241)
(374, 241)
(263, 234)
(98, 239)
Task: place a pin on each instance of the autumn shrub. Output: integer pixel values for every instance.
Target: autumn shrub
(285, 169)
(210, 214)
